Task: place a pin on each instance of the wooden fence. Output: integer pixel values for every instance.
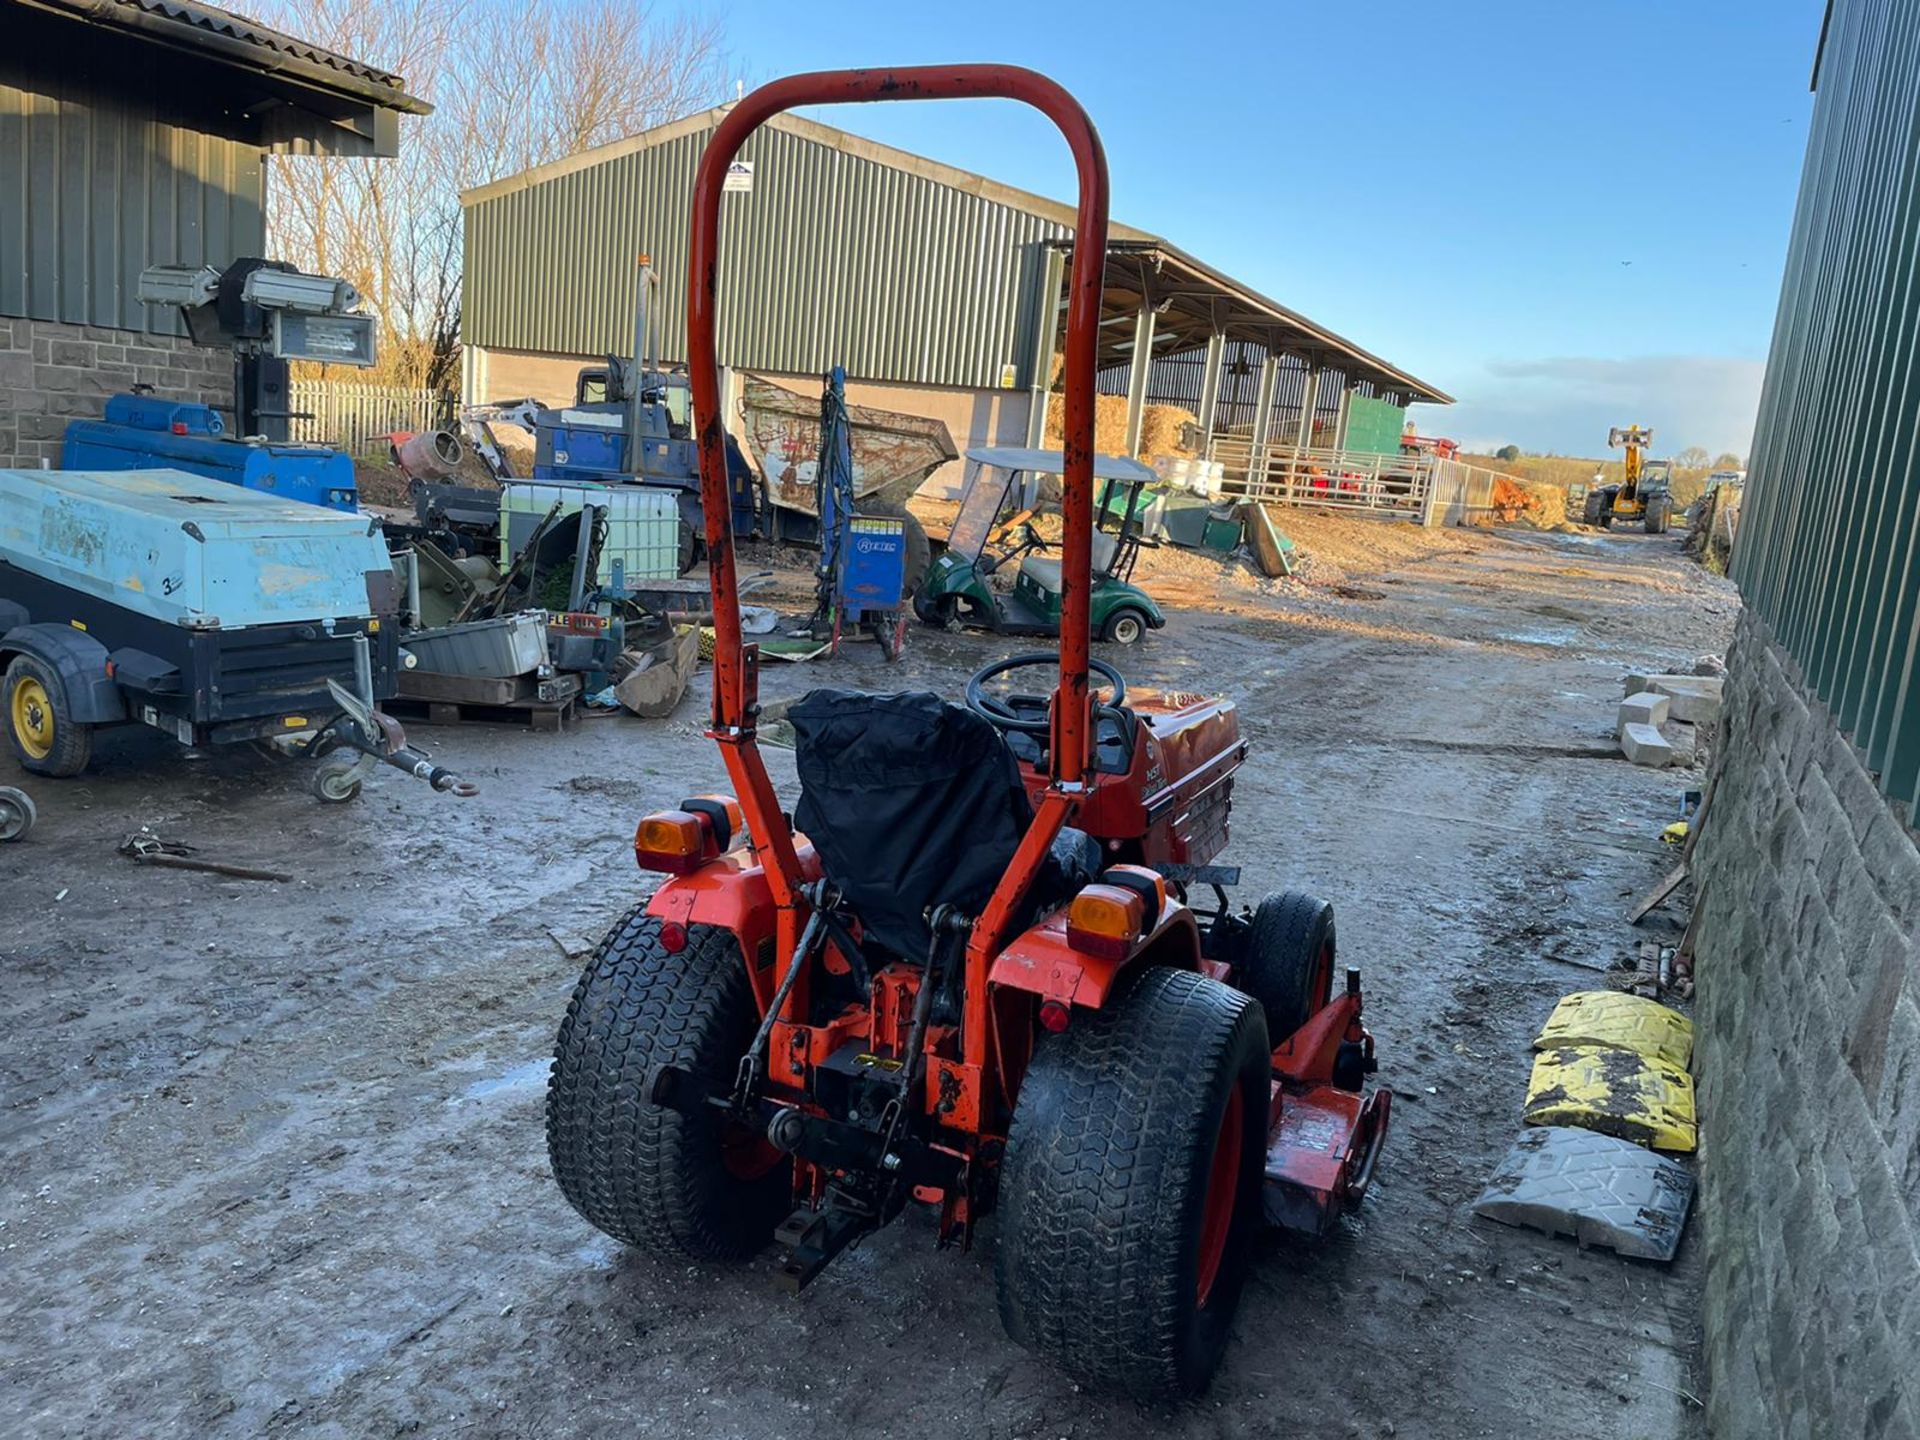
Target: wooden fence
(356, 418)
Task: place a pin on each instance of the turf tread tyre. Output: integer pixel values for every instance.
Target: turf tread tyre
(72, 748)
(1105, 1179)
(644, 1174)
(1281, 967)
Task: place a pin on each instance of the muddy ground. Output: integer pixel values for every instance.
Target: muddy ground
(271, 1158)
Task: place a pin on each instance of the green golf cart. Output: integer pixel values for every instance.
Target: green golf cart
(1003, 492)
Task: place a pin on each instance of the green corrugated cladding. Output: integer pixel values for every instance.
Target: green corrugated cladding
(1828, 552)
(95, 187)
(1373, 426)
(832, 259)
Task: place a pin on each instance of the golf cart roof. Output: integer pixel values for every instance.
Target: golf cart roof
(1050, 462)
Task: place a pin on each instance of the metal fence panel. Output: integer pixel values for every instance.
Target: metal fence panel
(1829, 551)
(358, 418)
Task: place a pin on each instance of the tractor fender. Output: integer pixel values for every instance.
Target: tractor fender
(79, 660)
(732, 892)
(1041, 962)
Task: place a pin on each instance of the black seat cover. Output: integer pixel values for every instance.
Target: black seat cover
(911, 802)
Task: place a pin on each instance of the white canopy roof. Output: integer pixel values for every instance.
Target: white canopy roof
(1051, 462)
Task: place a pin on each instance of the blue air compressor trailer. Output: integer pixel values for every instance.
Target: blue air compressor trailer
(213, 613)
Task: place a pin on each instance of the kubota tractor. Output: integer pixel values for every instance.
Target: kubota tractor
(972, 973)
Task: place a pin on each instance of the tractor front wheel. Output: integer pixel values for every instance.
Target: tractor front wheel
(1131, 1186)
(696, 1185)
(1289, 960)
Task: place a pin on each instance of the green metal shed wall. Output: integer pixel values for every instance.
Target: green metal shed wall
(833, 258)
(1828, 552)
(95, 186)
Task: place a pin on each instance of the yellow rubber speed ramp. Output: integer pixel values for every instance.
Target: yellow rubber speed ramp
(1614, 1092)
(1619, 1022)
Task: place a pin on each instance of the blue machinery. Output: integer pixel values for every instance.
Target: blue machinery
(268, 314)
(863, 558)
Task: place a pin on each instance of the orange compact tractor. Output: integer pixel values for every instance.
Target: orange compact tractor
(968, 973)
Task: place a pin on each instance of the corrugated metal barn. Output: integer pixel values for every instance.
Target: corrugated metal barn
(1827, 541)
(135, 133)
(939, 290)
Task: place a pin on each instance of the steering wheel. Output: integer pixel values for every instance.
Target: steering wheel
(1000, 713)
(1030, 537)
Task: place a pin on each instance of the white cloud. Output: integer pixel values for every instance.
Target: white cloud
(1566, 404)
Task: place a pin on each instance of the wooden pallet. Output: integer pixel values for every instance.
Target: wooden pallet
(465, 700)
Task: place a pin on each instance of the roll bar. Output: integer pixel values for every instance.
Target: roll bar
(735, 664)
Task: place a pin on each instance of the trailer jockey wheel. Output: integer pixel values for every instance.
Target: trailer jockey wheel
(1131, 1187)
(46, 738)
(337, 777)
(16, 813)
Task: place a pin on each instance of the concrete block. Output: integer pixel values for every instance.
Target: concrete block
(1685, 740)
(1696, 698)
(1644, 745)
(1642, 708)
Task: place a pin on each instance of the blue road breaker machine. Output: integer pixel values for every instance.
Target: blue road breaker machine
(863, 558)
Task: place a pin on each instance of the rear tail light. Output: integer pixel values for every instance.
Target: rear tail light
(681, 841)
(674, 841)
(1106, 921)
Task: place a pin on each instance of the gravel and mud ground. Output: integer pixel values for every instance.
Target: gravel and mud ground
(271, 1159)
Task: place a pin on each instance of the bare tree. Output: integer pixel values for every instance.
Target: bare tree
(513, 86)
(1694, 457)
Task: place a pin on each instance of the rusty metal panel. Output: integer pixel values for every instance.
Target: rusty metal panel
(834, 257)
(95, 186)
(1828, 550)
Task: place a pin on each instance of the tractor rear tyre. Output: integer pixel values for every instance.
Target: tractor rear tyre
(1289, 960)
(46, 739)
(1131, 1187)
(668, 1183)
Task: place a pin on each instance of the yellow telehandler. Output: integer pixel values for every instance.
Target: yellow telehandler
(1645, 495)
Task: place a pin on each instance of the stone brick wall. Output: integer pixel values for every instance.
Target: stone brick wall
(1809, 1063)
(52, 373)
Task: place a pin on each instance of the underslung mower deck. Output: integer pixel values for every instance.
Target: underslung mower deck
(989, 965)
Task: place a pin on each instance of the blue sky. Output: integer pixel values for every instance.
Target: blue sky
(1456, 186)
